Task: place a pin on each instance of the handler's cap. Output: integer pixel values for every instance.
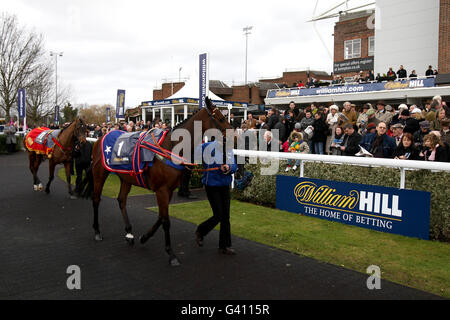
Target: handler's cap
(370, 112)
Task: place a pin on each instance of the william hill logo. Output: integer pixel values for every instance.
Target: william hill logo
(308, 193)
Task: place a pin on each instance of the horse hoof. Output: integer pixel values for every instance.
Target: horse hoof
(35, 187)
(174, 262)
(130, 239)
(47, 191)
(72, 197)
(98, 237)
(143, 239)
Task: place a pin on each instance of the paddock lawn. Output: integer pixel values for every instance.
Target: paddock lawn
(424, 265)
(111, 187)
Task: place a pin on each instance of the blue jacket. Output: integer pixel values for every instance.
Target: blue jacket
(388, 144)
(216, 178)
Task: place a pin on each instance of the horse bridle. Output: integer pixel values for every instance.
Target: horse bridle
(214, 120)
(76, 135)
(223, 131)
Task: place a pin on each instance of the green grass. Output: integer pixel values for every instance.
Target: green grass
(111, 187)
(420, 264)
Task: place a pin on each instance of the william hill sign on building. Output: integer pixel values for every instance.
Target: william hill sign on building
(399, 211)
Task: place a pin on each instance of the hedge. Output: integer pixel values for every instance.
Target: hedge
(3, 149)
(261, 190)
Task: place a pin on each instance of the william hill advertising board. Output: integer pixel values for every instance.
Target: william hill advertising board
(399, 211)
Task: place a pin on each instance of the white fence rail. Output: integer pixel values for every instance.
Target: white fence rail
(402, 165)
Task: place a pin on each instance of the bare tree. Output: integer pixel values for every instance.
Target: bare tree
(39, 103)
(21, 54)
(96, 113)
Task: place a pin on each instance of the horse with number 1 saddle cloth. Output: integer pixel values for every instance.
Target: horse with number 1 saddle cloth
(42, 140)
(132, 152)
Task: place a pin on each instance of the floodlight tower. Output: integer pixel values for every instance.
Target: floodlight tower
(246, 30)
(56, 55)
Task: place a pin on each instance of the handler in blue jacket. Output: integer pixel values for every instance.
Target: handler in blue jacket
(217, 180)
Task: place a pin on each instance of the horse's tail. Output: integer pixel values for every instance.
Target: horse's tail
(87, 185)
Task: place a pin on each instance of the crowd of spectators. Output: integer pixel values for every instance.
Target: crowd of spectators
(97, 130)
(366, 77)
(382, 131)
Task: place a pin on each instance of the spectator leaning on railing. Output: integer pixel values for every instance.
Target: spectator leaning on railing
(435, 150)
(379, 144)
(406, 150)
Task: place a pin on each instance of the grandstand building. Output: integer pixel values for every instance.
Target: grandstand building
(412, 33)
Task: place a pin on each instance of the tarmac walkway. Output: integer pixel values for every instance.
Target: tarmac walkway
(42, 235)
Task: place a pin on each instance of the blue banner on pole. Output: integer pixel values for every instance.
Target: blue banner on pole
(391, 210)
(22, 103)
(108, 114)
(203, 79)
(352, 88)
(120, 104)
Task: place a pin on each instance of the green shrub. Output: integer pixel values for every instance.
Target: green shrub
(3, 148)
(262, 189)
(196, 180)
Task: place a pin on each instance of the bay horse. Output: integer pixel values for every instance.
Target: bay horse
(61, 153)
(161, 178)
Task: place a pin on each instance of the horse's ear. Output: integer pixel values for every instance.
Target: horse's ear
(209, 103)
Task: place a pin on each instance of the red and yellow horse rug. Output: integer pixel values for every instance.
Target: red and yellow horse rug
(42, 140)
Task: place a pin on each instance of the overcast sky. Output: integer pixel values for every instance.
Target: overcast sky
(135, 45)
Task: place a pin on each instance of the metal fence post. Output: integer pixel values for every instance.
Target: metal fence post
(402, 178)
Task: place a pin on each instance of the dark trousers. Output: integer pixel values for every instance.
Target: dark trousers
(183, 189)
(219, 199)
(11, 148)
(79, 168)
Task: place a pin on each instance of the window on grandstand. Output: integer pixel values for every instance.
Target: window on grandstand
(371, 46)
(352, 49)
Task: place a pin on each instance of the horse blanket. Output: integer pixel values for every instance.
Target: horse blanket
(41, 140)
(131, 152)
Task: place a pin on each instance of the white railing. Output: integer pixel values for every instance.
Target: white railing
(403, 165)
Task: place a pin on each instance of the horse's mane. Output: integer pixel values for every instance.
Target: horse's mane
(64, 128)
